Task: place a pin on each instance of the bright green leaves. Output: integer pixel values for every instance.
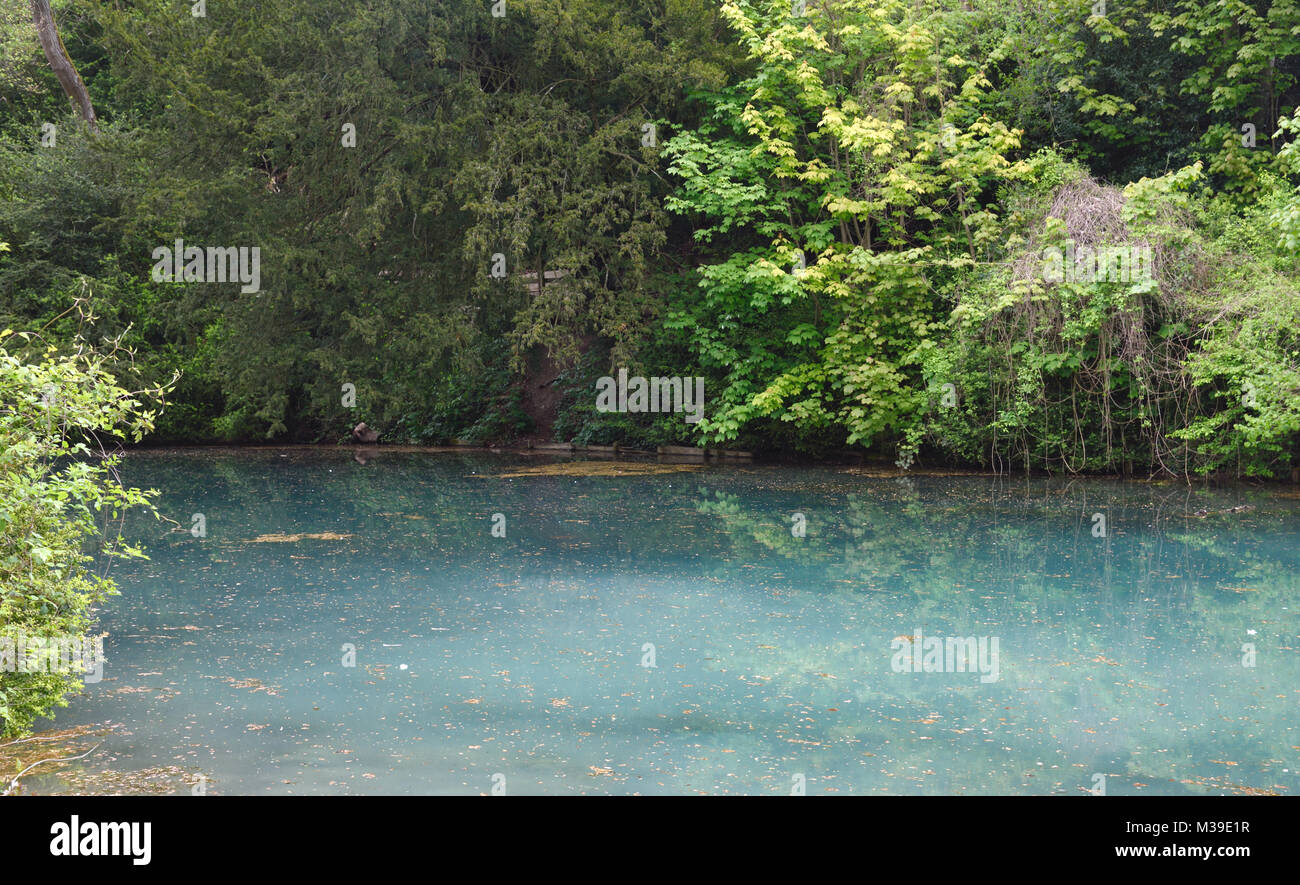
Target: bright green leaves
(1181, 364)
(1286, 216)
(854, 164)
(1240, 52)
(58, 491)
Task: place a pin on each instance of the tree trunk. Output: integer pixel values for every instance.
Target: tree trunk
(60, 63)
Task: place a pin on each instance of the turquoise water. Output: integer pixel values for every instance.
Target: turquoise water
(520, 663)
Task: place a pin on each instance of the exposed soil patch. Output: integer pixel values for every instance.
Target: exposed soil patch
(541, 400)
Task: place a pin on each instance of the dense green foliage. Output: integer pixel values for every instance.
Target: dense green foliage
(61, 505)
(836, 212)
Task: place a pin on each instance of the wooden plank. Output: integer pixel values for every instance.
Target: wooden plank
(553, 447)
(688, 451)
(731, 454)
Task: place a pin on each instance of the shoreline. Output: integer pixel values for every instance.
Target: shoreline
(860, 464)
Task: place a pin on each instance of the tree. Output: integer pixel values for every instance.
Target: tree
(852, 166)
(66, 72)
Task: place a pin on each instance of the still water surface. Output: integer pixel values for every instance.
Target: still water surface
(780, 662)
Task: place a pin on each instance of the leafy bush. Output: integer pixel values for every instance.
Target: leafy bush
(1190, 367)
(61, 502)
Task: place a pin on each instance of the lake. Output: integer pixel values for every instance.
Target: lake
(465, 623)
